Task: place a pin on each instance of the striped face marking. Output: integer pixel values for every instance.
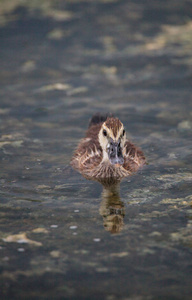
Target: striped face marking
(112, 139)
(114, 127)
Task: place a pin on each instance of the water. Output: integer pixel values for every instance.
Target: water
(61, 236)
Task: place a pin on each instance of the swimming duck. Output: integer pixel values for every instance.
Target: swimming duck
(105, 154)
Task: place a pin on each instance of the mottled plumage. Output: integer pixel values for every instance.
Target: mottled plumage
(105, 154)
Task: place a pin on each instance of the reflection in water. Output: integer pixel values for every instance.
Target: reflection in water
(112, 209)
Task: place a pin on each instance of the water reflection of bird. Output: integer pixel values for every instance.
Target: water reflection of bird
(105, 154)
(112, 210)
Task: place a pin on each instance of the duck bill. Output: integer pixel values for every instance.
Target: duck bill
(115, 153)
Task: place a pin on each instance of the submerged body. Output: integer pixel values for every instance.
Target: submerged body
(105, 154)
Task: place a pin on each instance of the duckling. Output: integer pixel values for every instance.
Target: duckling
(105, 154)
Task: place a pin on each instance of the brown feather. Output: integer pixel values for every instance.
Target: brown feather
(88, 157)
(114, 124)
(133, 156)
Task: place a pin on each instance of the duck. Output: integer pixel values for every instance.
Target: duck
(105, 154)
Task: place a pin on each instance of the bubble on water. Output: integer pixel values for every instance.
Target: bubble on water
(54, 226)
(21, 250)
(73, 227)
(97, 240)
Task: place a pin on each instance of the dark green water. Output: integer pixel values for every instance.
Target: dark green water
(58, 67)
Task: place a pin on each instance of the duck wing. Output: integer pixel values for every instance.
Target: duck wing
(133, 156)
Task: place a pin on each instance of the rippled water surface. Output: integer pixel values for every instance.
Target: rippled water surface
(62, 236)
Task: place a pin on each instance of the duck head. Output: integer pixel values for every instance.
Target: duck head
(112, 139)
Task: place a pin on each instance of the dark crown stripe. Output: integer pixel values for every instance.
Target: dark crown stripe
(99, 118)
(114, 124)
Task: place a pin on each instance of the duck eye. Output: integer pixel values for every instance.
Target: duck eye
(104, 132)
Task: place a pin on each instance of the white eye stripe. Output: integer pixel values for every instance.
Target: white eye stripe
(107, 132)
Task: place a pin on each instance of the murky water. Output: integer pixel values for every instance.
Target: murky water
(61, 236)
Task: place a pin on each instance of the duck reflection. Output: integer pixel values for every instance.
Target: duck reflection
(112, 209)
